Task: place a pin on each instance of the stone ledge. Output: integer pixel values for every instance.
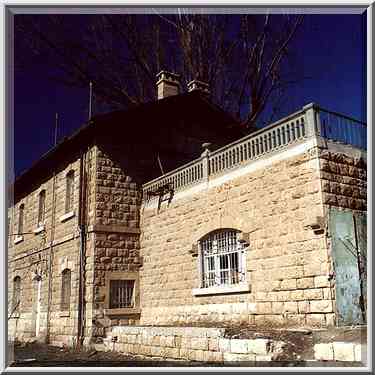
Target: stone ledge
(39, 229)
(18, 239)
(113, 229)
(67, 216)
(243, 287)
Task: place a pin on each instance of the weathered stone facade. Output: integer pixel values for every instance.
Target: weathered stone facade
(279, 201)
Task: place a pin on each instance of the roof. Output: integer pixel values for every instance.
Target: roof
(177, 104)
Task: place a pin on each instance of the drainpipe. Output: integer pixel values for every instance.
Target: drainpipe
(82, 251)
(51, 256)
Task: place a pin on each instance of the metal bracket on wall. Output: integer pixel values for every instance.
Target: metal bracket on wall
(164, 192)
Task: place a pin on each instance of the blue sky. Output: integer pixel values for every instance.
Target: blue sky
(330, 50)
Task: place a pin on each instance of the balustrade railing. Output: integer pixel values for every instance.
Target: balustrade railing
(308, 122)
(343, 128)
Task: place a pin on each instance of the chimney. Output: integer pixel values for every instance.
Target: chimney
(199, 85)
(167, 84)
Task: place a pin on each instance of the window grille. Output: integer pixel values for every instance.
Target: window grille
(16, 293)
(223, 259)
(69, 192)
(42, 205)
(20, 219)
(65, 289)
(121, 294)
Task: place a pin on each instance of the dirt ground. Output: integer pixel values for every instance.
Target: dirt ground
(298, 351)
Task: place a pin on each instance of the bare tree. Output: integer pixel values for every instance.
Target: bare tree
(244, 58)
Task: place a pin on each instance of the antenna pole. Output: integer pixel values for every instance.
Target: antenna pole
(90, 101)
(160, 165)
(56, 123)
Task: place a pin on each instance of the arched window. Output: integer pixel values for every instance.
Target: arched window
(20, 219)
(42, 207)
(222, 257)
(65, 289)
(16, 293)
(69, 198)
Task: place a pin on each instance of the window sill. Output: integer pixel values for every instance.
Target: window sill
(225, 289)
(67, 216)
(123, 311)
(64, 313)
(18, 239)
(39, 229)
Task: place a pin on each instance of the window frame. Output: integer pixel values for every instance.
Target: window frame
(16, 293)
(126, 276)
(231, 249)
(69, 192)
(66, 293)
(41, 209)
(21, 219)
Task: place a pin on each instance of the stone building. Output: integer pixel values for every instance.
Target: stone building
(266, 228)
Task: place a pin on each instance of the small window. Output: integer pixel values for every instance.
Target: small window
(222, 259)
(121, 294)
(16, 294)
(65, 290)
(69, 198)
(20, 219)
(42, 207)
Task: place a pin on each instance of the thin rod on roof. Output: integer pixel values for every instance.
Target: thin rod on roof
(56, 123)
(90, 101)
(160, 165)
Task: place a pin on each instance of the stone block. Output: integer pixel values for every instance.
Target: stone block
(321, 306)
(288, 284)
(291, 307)
(277, 307)
(315, 320)
(360, 353)
(213, 344)
(321, 282)
(303, 307)
(213, 356)
(236, 357)
(343, 351)
(263, 358)
(313, 294)
(199, 343)
(238, 346)
(264, 308)
(224, 345)
(305, 283)
(323, 352)
(258, 346)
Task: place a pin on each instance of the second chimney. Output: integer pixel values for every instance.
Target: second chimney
(199, 86)
(167, 84)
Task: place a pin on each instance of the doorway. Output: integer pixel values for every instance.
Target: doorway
(349, 252)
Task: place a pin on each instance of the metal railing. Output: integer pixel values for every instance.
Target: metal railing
(308, 122)
(343, 129)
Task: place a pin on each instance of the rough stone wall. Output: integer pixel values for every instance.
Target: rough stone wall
(31, 257)
(191, 343)
(116, 233)
(344, 180)
(287, 263)
(117, 198)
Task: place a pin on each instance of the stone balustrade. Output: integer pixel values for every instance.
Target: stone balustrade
(311, 121)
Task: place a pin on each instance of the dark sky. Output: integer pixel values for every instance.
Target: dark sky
(329, 48)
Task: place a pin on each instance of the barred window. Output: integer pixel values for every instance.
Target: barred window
(222, 258)
(16, 293)
(121, 294)
(65, 289)
(20, 219)
(69, 192)
(42, 207)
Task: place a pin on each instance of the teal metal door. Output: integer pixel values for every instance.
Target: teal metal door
(360, 221)
(347, 268)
